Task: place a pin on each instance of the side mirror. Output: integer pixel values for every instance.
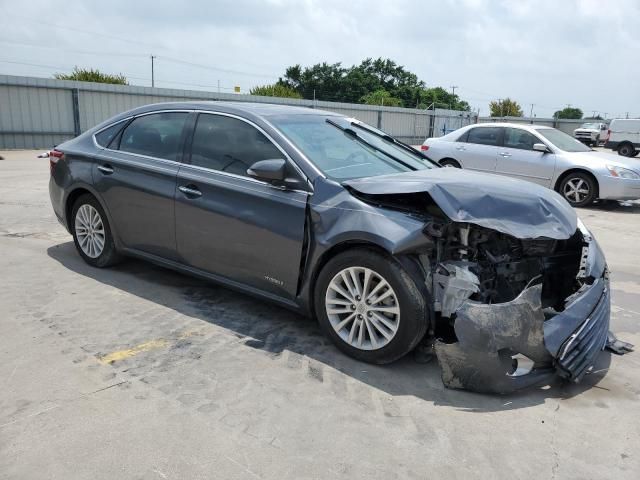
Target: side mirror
(270, 170)
(540, 147)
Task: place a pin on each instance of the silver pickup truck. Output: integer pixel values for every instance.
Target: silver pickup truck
(591, 133)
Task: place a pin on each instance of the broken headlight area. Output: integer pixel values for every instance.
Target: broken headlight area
(512, 313)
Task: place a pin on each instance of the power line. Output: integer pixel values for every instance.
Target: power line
(74, 29)
(82, 52)
(209, 67)
(134, 77)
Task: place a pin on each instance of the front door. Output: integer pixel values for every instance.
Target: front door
(232, 225)
(518, 159)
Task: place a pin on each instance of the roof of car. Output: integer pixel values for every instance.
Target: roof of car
(504, 124)
(258, 109)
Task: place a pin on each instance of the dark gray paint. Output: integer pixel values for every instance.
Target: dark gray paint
(242, 229)
(272, 241)
(140, 197)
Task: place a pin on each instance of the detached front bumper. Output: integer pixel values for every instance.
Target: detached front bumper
(491, 338)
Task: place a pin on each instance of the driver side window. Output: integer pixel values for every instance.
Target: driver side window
(520, 139)
(227, 144)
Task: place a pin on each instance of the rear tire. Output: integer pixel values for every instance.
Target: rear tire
(450, 162)
(386, 328)
(627, 150)
(579, 189)
(92, 234)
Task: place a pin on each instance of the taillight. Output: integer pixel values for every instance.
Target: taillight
(424, 148)
(54, 157)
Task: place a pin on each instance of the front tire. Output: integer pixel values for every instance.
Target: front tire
(579, 189)
(450, 162)
(92, 234)
(369, 306)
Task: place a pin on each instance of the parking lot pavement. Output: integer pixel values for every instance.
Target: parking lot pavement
(140, 372)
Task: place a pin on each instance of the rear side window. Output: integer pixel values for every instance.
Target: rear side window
(229, 145)
(521, 139)
(484, 135)
(156, 135)
(463, 137)
(105, 137)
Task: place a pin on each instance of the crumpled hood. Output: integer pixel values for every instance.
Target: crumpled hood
(515, 207)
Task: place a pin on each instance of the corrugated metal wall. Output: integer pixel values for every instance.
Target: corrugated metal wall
(41, 112)
(565, 125)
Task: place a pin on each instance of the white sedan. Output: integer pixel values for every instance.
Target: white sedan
(541, 155)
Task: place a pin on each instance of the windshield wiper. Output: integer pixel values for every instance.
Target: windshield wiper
(395, 141)
(358, 138)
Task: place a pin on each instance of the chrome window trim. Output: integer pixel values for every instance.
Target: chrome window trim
(134, 117)
(204, 169)
(261, 130)
(93, 136)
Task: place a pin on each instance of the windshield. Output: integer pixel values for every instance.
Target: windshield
(563, 141)
(343, 151)
(592, 126)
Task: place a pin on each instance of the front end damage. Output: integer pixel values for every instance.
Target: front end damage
(519, 287)
(518, 311)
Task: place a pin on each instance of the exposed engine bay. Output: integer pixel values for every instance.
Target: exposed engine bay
(493, 295)
(490, 267)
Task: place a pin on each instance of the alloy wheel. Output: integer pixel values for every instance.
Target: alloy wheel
(362, 308)
(90, 231)
(576, 190)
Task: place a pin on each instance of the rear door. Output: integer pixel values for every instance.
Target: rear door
(232, 225)
(136, 177)
(479, 150)
(517, 158)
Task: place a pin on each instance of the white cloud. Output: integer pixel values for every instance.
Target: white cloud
(545, 52)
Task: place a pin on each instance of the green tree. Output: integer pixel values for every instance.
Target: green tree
(92, 75)
(381, 97)
(505, 108)
(568, 112)
(438, 97)
(360, 83)
(275, 90)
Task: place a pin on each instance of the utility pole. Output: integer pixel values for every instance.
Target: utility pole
(453, 94)
(627, 114)
(531, 112)
(153, 80)
(218, 87)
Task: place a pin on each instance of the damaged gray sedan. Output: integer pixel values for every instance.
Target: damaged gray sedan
(331, 217)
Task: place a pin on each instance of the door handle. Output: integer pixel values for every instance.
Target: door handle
(106, 169)
(505, 154)
(461, 147)
(190, 190)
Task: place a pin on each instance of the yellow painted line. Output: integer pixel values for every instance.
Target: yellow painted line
(131, 352)
(143, 347)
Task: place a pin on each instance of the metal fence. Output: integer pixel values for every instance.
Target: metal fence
(40, 112)
(565, 125)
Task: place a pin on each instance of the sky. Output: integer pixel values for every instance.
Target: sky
(549, 53)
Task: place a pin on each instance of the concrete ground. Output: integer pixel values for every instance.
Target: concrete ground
(139, 372)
